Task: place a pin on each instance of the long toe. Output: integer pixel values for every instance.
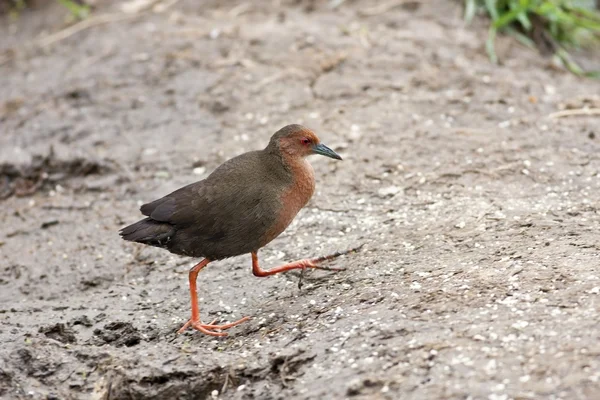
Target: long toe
(184, 327)
(206, 330)
(335, 255)
(226, 326)
(336, 269)
(209, 329)
(316, 264)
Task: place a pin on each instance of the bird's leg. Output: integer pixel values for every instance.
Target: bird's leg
(300, 264)
(195, 322)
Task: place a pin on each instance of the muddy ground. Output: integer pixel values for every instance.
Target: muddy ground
(478, 211)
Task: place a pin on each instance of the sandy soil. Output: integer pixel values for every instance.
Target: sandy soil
(478, 212)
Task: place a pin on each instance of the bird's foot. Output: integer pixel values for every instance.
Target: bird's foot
(316, 263)
(209, 329)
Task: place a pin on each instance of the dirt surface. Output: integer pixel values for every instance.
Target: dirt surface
(478, 212)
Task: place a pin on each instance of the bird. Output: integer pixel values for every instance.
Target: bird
(238, 209)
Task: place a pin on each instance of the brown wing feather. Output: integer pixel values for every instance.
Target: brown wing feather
(226, 214)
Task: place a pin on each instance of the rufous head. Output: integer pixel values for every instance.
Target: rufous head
(298, 141)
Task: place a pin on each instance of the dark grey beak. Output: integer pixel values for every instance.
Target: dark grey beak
(325, 151)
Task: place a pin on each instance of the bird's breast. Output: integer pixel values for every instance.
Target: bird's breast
(301, 189)
(293, 198)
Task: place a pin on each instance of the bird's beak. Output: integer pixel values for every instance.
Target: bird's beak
(325, 151)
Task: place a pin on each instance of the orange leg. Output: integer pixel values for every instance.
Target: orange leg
(194, 322)
(300, 264)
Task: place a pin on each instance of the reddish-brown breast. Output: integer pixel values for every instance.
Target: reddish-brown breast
(295, 197)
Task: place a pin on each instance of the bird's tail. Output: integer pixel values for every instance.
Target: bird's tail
(148, 231)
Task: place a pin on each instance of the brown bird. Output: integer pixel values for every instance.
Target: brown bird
(238, 209)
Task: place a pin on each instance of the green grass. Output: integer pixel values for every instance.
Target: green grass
(78, 11)
(553, 26)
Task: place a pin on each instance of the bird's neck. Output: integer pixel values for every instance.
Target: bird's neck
(303, 177)
(300, 173)
(302, 185)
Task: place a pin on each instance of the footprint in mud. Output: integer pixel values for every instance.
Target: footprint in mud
(117, 334)
(38, 363)
(59, 332)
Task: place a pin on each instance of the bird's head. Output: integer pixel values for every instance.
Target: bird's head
(298, 141)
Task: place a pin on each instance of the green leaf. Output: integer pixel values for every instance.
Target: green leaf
(524, 20)
(523, 39)
(567, 23)
(79, 11)
(491, 8)
(590, 14)
(490, 45)
(506, 19)
(592, 74)
(470, 9)
(571, 65)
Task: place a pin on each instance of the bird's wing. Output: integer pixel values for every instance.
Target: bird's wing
(165, 208)
(230, 195)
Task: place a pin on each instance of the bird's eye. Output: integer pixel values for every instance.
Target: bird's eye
(305, 141)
